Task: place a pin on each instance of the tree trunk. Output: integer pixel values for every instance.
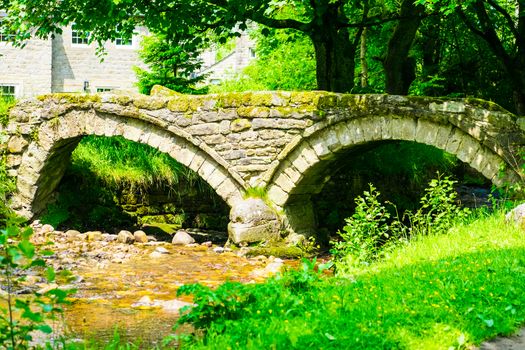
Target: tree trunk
(335, 59)
(363, 61)
(399, 67)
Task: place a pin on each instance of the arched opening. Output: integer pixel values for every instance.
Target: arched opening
(399, 170)
(111, 183)
(314, 161)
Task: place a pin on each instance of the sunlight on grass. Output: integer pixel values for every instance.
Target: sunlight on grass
(437, 292)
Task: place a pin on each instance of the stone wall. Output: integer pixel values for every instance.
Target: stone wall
(73, 64)
(28, 69)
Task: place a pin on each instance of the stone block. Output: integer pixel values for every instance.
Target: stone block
(277, 195)
(240, 125)
(321, 148)
(16, 144)
(284, 182)
(206, 169)
(203, 129)
(454, 141)
(251, 220)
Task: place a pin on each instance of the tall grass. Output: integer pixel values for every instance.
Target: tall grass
(120, 163)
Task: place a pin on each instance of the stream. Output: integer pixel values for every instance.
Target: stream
(132, 287)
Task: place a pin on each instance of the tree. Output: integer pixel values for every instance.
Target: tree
(171, 65)
(334, 26)
(501, 24)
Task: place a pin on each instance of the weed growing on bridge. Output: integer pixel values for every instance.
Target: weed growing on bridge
(5, 106)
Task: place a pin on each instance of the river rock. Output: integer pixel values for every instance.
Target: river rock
(253, 221)
(181, 237)
(125, 237)
(517, 216)
(46, 229)
(93, 236)
(162, 250)
(140, 237)
(72, 235)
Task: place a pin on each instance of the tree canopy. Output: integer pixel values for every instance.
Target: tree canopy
(416, 45)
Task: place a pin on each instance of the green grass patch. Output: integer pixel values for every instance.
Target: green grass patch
(5, 106)
(435, 292)
(122, 163)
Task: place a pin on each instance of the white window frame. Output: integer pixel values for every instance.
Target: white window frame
(105, 88)
(76, 35)
(8, 85)
(124, 43)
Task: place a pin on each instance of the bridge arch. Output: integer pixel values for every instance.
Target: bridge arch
(308, 164)
(47, 156)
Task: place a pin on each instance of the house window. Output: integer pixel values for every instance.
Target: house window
(253, 54)
(123, 42)
(104, 89)
(7, 91)
(79, 37)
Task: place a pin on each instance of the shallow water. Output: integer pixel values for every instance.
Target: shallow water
(107, 294)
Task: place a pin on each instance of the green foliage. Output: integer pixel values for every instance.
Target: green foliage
(436, 292)
(370, 232)
(120, 163)
(170, 64)
(285, 61)
(256, 192)
(7, 186)
(215, 309)
(366, 231)
(24, 315)
(5, 106)
(439, 210)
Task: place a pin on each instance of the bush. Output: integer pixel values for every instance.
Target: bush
(23, 316)
(371, 232)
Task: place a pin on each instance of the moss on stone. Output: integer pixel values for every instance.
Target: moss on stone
(262, 98)
(306, 97)
(179, 104)
(123, 100)
(328, 101)
(149, 103)
(253, 112)
(240, 124)
(284, 111)
(70, 97)
(231, 99)
(488, 105)
(159, 90)
(279, 251)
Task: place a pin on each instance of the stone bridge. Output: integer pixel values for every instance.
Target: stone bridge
(287, 142)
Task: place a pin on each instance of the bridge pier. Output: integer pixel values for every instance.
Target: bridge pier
(299, 216)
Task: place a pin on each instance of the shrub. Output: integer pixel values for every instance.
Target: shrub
(371, 231)
(23, 316)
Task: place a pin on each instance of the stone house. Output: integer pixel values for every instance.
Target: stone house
(67, 63)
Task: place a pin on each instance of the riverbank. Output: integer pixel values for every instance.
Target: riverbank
(442, 291)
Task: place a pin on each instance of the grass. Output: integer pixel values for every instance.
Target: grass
(121, 163)
(5, 106)
(436, 292)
